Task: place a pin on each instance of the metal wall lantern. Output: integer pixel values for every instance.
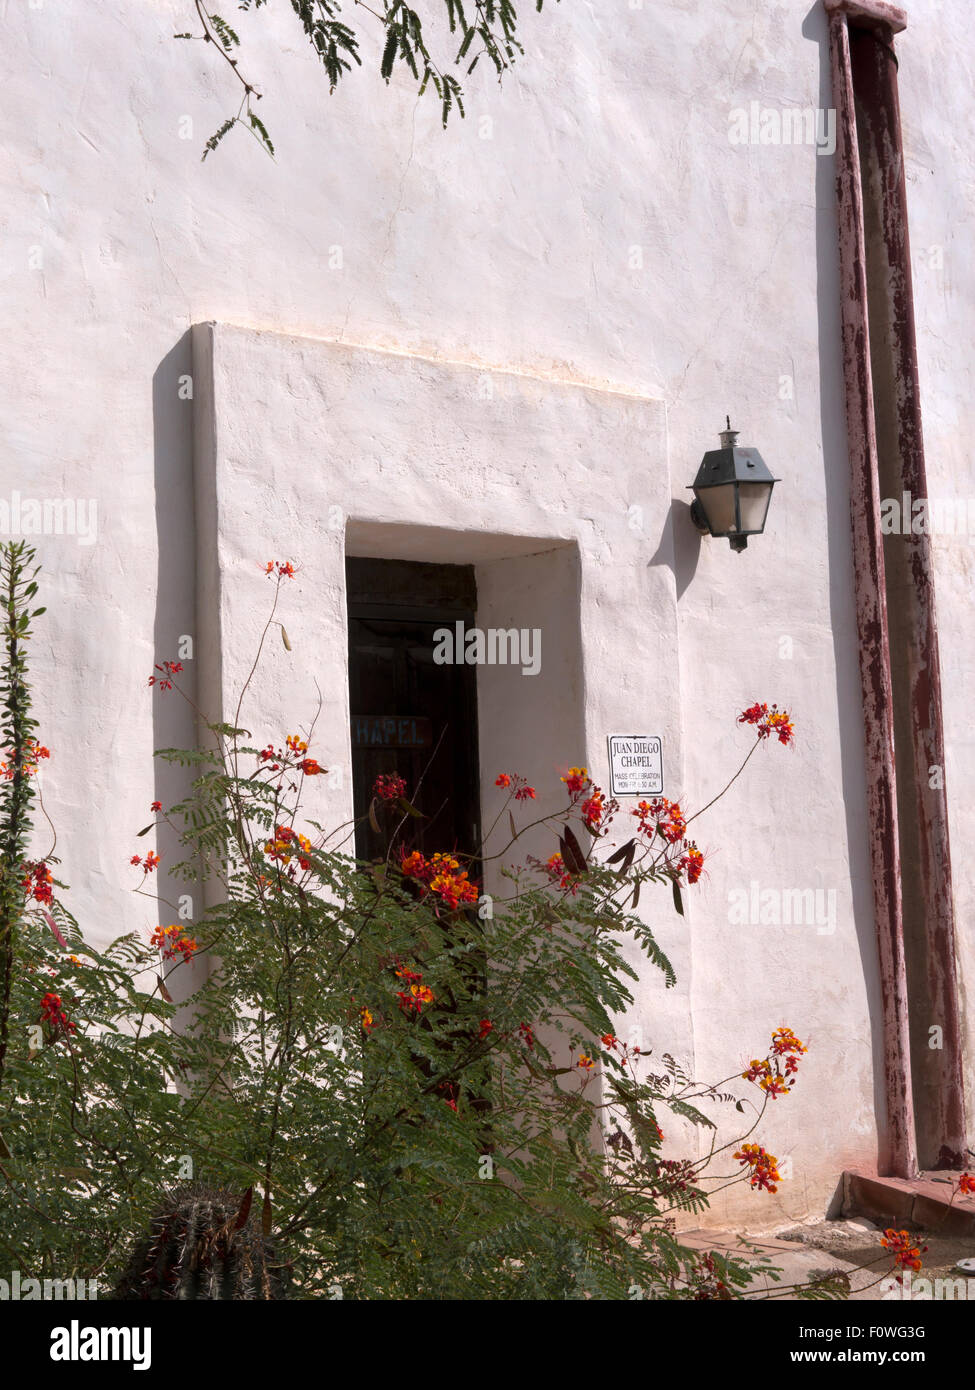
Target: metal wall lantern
(732, 491)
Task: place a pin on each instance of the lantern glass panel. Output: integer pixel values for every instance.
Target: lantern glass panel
(753, 500)
(719, 507)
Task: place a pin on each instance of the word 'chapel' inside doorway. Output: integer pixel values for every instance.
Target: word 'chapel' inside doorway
(409, 714)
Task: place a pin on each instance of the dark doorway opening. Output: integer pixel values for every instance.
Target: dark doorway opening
(415, 717)
(409, 714)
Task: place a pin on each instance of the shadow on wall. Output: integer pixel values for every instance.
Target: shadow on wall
(173, 722)
(679, 547)
(532, 724)
(842, 606)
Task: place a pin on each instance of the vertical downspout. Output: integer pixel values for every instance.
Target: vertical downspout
(899, 1155)
(937, 1071)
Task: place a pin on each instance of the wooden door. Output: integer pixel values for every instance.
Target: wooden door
(409, 714)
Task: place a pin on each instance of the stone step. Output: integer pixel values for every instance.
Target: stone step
(924, 1201)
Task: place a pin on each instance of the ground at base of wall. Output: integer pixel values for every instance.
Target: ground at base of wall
(804, 1252)
(856, 1241)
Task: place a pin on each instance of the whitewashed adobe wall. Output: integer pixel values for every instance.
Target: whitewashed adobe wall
(590, 224)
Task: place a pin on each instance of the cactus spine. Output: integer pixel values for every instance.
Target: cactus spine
(201, 1244)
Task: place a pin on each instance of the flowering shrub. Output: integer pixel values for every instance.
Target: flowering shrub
(434, 1068)
(409, 1084)
(85, 1035)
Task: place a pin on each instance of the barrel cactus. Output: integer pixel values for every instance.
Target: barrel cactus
(202, 1244)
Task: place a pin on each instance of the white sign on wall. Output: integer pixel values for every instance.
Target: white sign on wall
(636, 765)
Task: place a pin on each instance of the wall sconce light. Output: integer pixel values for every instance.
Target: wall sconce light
(732, 491)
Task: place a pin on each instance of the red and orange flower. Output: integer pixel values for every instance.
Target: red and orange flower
(692, 861)
(517, 785)
(288, 843)
(441, 875)
(763, 1167)
(593, 809)
(389, 787)
(37, 882)
(768, 1072)
(32, 755)
(412, 999)
(576, 779)
(900, 1246)
(661, 817)
(173, 943)
(148, 864)
(769, 721)
(52, 1013)
(168, 669)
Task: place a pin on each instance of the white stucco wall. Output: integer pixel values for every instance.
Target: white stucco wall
(599, 230)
